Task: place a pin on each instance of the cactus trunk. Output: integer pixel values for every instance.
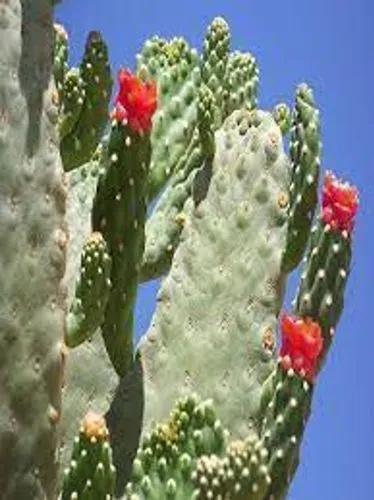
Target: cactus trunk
(32, 254)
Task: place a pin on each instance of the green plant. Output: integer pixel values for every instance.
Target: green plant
(207, 406)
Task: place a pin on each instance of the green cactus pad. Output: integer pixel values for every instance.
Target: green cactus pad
(222, 296)
(241, 82)
(78, 146)
(32, 254)
(174, 66)
(92, 292)
(305, 151)
(119, 212)
(91, 474)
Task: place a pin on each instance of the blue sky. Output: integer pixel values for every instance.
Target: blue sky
(329, 44)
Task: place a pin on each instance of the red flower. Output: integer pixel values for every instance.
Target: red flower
(339, 203)
(136, 102)
(302, 343)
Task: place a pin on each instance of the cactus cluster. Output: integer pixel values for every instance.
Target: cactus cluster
(185, 179)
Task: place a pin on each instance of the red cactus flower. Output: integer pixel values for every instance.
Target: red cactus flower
(136, 102)
(339, 203)
(302, 343)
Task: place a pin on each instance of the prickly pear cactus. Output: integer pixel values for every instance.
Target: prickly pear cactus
(32, 254)
(213, 403)
(224, 290)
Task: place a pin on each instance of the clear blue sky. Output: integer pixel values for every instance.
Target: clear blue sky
(328, 43)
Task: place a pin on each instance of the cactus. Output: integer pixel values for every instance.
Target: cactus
(305, 150)
(92, 292)
(169, 454)
(248, 148)
(32, 254)
(91, 474)
(174, 67)
(282, 117)
(206, 406)
(239, 73)
(84, 96)
(119, 211)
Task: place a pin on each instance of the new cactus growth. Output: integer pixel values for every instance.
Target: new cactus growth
(206, 406)
(91, 474)
(84, 95)
(92, 292)
(168, 455)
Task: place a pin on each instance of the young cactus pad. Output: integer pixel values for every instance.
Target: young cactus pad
(207, 406)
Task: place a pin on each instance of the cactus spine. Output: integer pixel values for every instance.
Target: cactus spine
(207, 406)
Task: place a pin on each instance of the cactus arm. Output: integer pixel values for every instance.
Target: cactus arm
(72, 95)
(319, 303)
(305, 151)
(181, 109)
(164, 227)
(215, 254)
(60, 56)
(241, 82)
(174, 66)
(286, 415)
(87, 310)
(166, 223)
(78, 146)
(214, 63)
(119, 211)
(324, 276)
(325, 273)
(206, 111)
(282, 117)
(91, 473)
(32, 254)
